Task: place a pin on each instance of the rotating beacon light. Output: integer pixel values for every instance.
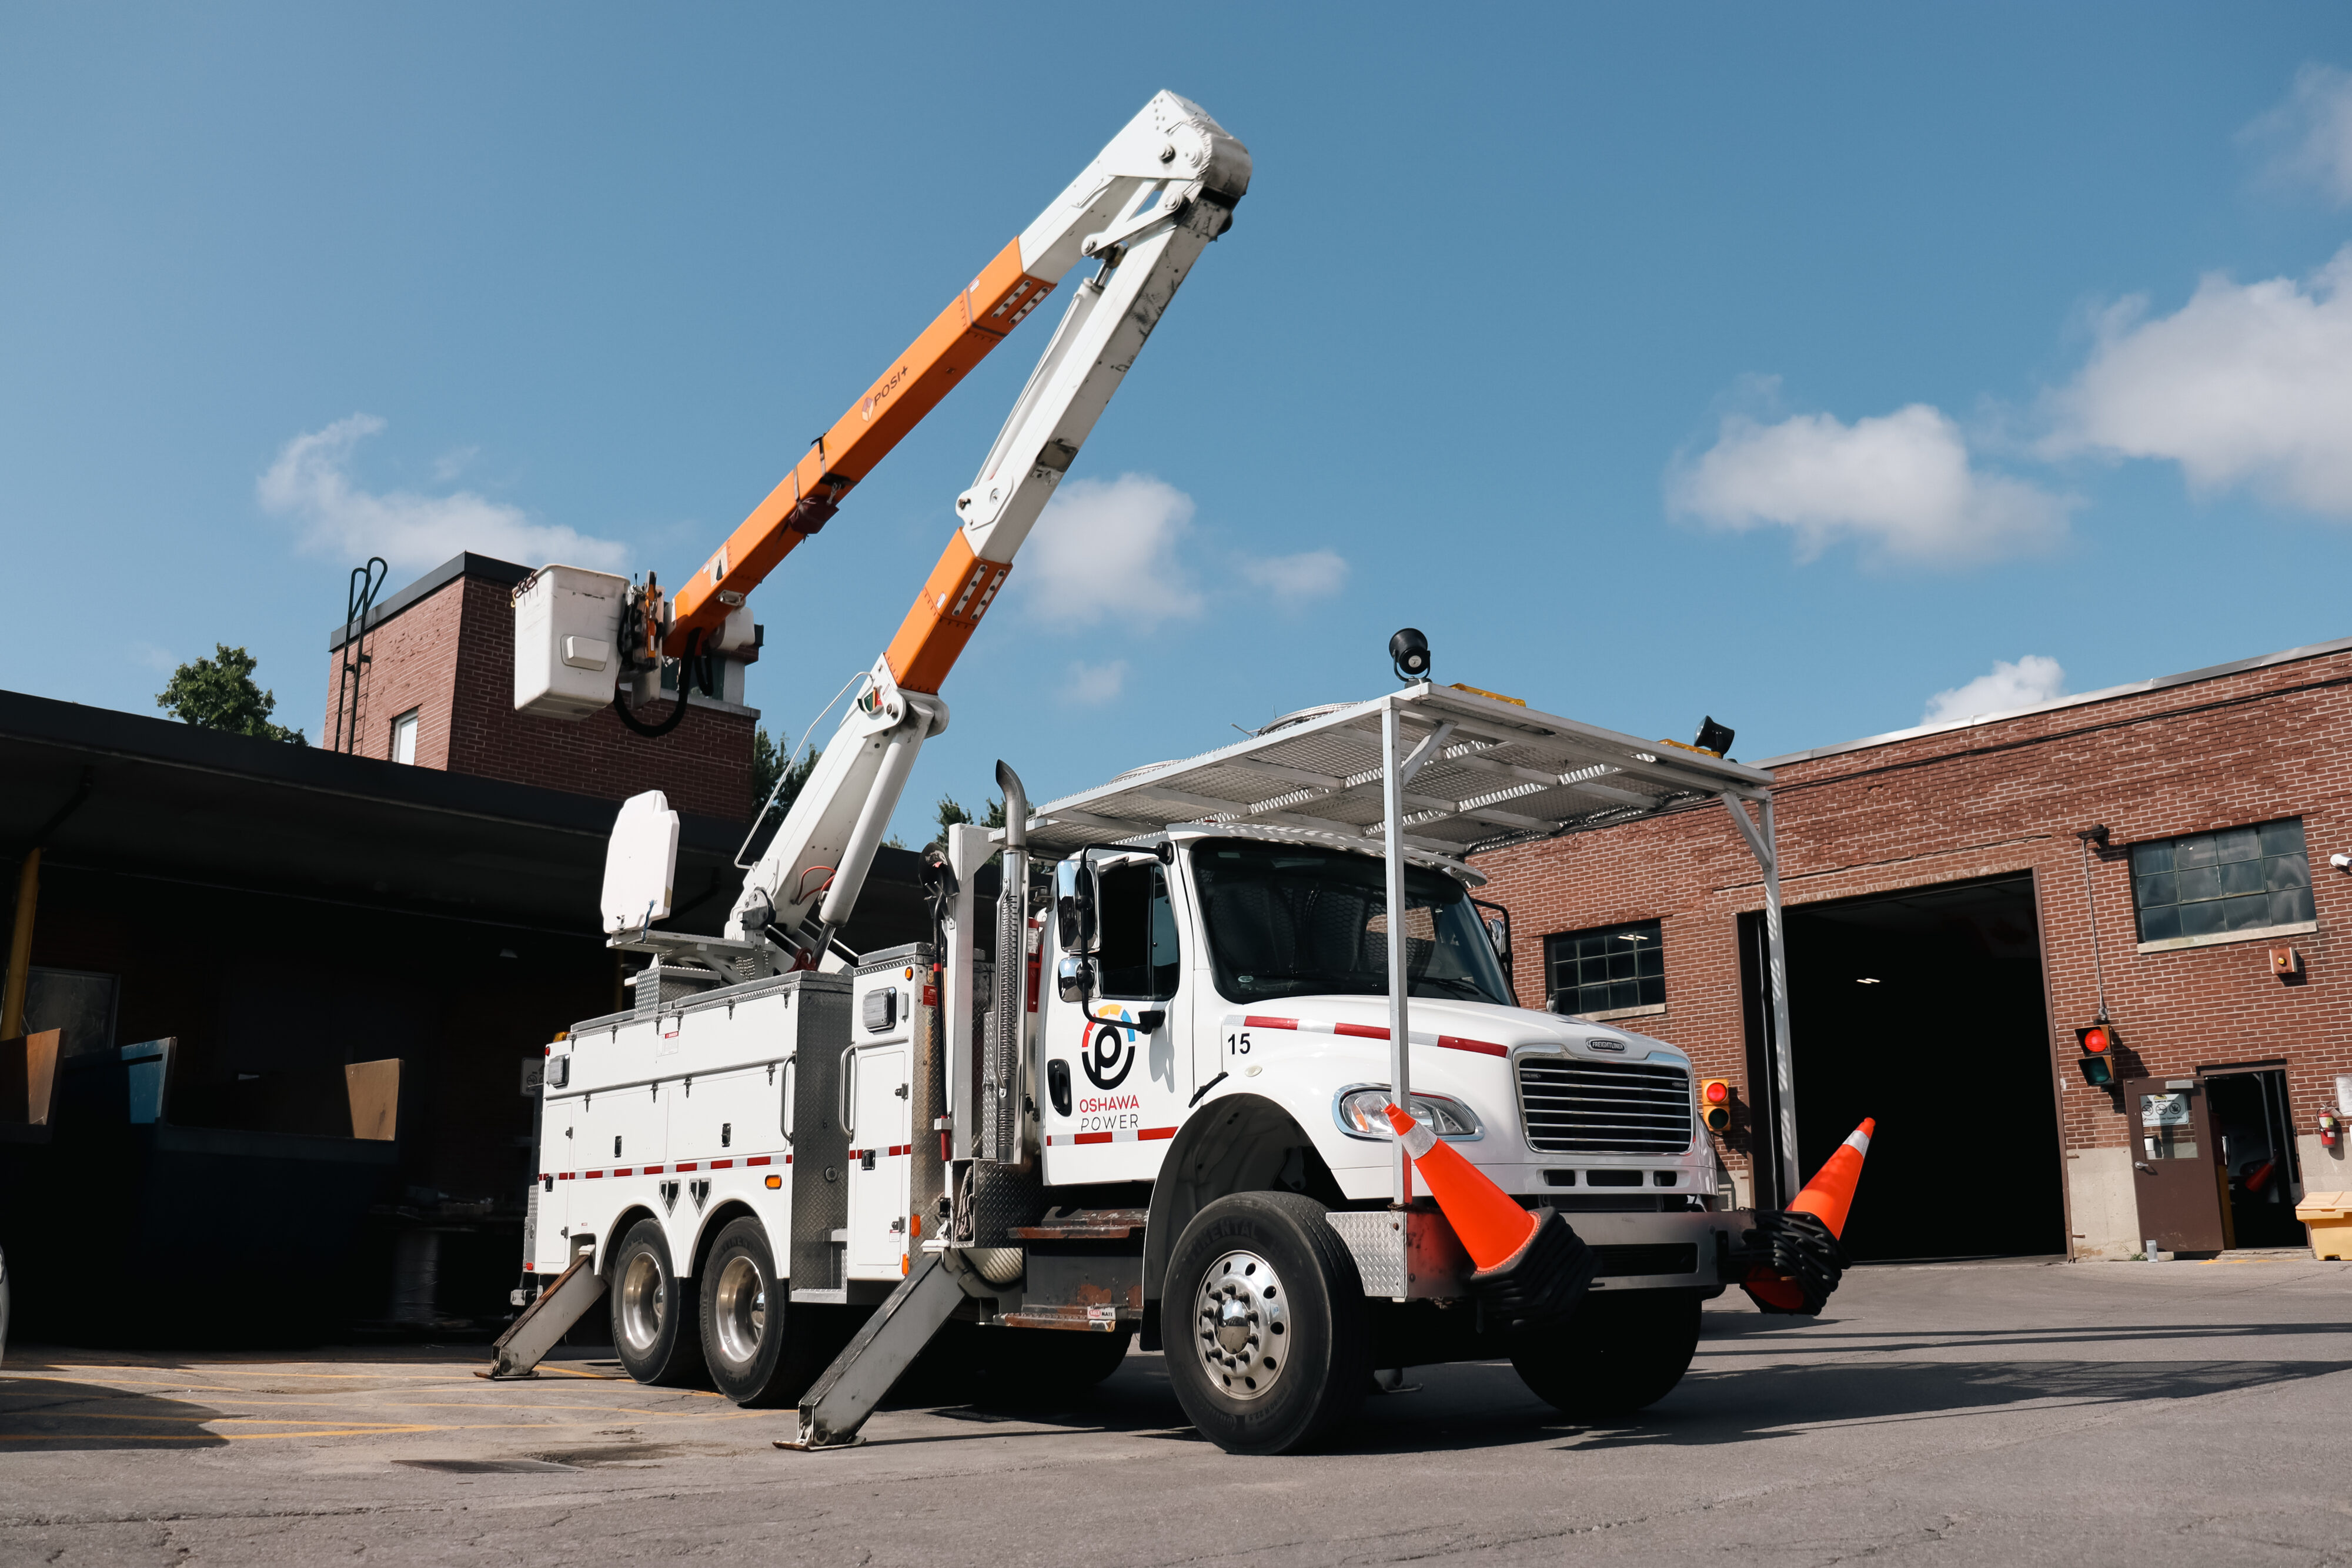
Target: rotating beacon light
(1409, 654)
(1715, 1105)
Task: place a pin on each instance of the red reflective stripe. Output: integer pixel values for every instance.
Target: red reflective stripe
(1092, 1138)
(788, 1160)
(1485, 1048)
(625, 1171)
(563, 1176)
(688, 1166)
(1150, 1133)
(1254, 1021)
(856, 1154)
(593, 1174)
(902, 1148)
(759, 1160)
(722, 1164)
(1363, 1030)
(651, 1170)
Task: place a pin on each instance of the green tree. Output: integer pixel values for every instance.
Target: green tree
(768, 765)
(952, 814)
(219, 693)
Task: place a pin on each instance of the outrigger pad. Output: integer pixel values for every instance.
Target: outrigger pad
(1541, 1283)
(1805, 1254)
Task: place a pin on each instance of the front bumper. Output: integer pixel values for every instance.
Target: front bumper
(1414, 1256)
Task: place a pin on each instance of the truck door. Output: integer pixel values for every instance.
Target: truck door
(1115, 1090)
(879, 1145)
(2176, 1164)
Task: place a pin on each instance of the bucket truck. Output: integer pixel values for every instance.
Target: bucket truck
(1149, 1091)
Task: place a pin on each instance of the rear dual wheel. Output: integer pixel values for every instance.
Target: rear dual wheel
(760, 1350)
(1268, 1348)
(655, 1331)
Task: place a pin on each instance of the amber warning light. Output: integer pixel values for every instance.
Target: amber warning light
(1715, 1104)
(2097, 1043)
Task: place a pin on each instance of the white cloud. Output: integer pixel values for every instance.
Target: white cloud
(1902, 486)
(310, 482)
(154, 657)
(2309, 137)
(2003, 689)
(1311, 574)
(1109, 550)
(1091, 685)
(2245, 385)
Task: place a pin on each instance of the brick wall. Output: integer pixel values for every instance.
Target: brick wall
(2009, 796)
(450, 656)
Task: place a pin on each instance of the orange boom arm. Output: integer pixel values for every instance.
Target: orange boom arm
(975, 321)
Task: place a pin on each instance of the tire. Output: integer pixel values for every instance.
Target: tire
(1030, 1367)
(1268, 1347)
(1619, 1353)
(757, 1348)
(655, 1330)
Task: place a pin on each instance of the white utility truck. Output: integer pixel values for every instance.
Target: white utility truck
(1134, 1081)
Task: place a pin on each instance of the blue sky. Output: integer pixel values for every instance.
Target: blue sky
(1791, 364)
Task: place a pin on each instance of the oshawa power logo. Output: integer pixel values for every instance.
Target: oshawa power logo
(1109, 1056)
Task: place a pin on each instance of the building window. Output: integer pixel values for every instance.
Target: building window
(1609, 971)
(403, 737)
(2209, 885)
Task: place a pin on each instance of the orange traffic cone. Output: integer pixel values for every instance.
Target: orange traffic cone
(1532, 1270)
(1490, 1221)
(1829, 1198)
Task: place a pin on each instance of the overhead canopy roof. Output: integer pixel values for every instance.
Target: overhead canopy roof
(1495, 773)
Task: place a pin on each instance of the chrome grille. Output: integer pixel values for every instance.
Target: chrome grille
(1572, 1107)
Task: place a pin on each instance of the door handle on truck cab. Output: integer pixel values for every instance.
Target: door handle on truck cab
(848, 1071)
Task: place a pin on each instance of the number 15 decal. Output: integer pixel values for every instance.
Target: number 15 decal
(1237, 1043)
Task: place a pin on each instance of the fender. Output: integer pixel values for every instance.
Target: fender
(620, 1228)
(1237, 1143)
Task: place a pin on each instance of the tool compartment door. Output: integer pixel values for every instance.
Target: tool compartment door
(880, 1140)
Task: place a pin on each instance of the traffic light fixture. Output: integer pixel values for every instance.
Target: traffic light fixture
(1715, 1105)
(2097, 1043)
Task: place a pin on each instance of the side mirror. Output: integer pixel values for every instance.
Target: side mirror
(1498, 934)
(1075, 902)
(1075, 978)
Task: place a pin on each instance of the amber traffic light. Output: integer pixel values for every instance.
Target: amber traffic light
(1715, 1105)
(2097, 1043)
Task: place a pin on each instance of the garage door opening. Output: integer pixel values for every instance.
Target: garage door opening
(1924, 1009)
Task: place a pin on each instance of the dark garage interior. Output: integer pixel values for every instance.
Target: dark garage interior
(1924, 1009)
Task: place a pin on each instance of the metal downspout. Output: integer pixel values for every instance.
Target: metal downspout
(1765, 847)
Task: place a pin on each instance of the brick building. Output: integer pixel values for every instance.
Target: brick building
(1941, 957)
(437, 689)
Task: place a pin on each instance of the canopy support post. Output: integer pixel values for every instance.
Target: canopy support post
(1400, 1038)
(1764, 847)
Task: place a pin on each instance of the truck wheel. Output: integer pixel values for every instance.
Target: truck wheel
(654, 1327)
(1024, 1367)
(757, 1349)
(1619, 1353)
(1268, 1344)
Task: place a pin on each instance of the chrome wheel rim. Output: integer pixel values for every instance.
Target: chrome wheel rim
(644, 1298)
(741, 1311)
(1241, 1323)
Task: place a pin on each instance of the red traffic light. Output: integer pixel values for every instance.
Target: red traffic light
(2097, 1061)
(1715, 1104)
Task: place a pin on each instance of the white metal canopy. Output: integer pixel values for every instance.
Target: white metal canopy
(1468, 772)
(1480, 773)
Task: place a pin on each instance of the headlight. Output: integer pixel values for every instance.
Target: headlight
(1363, 1114)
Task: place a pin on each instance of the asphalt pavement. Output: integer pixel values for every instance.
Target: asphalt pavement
(1999, 1413)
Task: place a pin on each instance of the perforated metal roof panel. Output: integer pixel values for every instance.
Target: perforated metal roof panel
(1493, 773)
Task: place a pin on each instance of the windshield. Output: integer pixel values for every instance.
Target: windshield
(1287, 920)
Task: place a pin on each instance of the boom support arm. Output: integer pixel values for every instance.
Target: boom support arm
(1146, 208)
(1172, 152)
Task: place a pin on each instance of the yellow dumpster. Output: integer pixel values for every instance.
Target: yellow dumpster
(2329, 1217)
